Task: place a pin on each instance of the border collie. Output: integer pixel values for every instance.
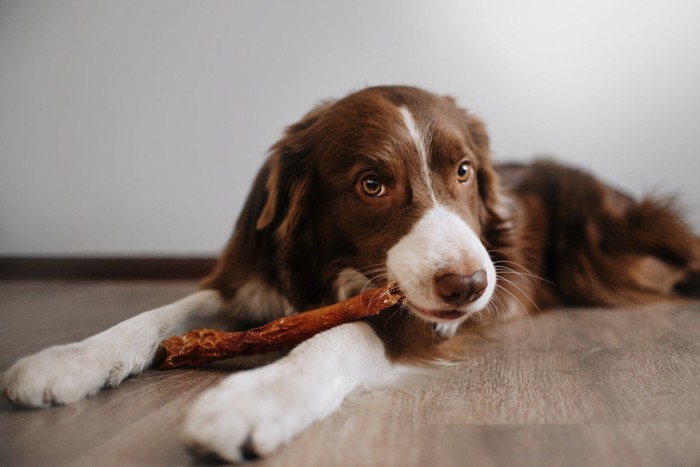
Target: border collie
(387, 184)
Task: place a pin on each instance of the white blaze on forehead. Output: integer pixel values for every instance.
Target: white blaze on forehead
(419, 140)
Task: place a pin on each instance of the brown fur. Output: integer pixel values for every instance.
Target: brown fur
(556, 234)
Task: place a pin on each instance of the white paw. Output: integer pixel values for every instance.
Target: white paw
(60, 375)
(250, 414)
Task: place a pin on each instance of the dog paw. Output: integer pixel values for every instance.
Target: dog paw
(250, 414)
(60, 375)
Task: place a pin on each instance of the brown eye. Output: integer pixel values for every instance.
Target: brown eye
(372, 186)
(464, 172)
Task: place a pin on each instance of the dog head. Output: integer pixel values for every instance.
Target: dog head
(390, 183)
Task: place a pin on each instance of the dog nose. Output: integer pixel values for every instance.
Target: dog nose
(459, 289)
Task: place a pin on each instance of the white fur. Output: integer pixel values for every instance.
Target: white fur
(67, 373)
(258, 301)
(447, 329)
(350, 282)
(439, 241)
(419, 141)
(262, 409)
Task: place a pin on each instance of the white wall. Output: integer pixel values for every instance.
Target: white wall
(136, 127)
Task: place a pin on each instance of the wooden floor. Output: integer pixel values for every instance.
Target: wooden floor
(574, 388)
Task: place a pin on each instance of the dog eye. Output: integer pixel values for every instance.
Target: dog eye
(464, 172)
(372, 186)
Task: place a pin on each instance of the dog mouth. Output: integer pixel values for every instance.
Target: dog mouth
(436, 315)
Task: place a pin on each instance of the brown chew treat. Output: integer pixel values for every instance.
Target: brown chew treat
(205, 345)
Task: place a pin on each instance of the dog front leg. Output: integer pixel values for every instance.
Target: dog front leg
(64, 374)
(257, 411)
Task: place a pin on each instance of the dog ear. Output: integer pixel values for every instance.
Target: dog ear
(494, 216)
(288, 189)
(265, 233)
(283, 220)
(267, 215)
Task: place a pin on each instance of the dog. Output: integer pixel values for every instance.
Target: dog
(387, 184)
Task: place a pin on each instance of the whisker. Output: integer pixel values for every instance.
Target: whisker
(498, 305)
(527, 313)
(525, 271)
(525, 294)
(371, 266)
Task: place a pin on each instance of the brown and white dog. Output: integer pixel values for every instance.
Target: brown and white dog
(388, 184)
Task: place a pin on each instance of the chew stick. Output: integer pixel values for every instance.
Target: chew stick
(206, 345)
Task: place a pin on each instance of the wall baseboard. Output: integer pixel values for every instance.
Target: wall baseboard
(105, 268)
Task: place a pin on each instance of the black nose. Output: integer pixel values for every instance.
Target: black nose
(459, 289)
